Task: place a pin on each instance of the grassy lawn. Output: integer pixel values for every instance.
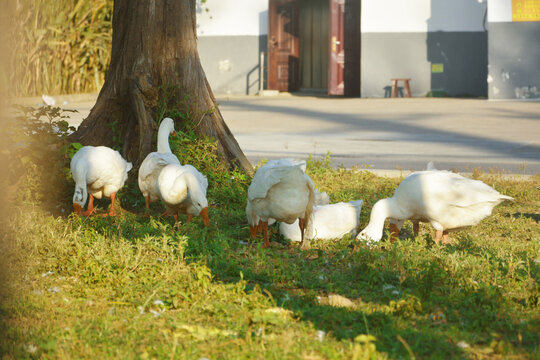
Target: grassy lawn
(137, 287)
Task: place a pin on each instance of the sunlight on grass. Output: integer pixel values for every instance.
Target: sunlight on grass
(132, 286)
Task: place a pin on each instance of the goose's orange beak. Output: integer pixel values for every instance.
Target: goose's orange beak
(204, 215)
(77, 209)
(173, 133)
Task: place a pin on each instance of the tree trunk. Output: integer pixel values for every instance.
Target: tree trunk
(154, 46)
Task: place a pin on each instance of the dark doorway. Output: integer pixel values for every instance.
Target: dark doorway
(352, 41)
(313, 24)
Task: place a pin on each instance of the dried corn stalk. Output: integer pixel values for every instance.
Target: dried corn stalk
(60, 46)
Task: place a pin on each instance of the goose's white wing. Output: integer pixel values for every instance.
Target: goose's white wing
(459, 191)
(286, 162)
(265, 178)
(149, 165)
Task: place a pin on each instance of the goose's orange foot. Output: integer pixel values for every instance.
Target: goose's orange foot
(88, 212)
(445, 238)
(264, 226)
(394, 233)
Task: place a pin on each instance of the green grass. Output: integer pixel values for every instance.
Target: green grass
(136, 287)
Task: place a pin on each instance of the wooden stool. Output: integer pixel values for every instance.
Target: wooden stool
(405, 85)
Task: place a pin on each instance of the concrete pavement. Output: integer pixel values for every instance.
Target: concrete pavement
(390, 133)
(401, 134)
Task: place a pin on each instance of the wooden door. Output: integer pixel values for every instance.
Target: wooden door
(336, 71)
(283, 46)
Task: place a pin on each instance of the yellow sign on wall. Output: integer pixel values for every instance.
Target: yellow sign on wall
(525, 10)
(437, 68)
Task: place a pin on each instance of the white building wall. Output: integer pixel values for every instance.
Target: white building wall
(407, 36)
(232, 34)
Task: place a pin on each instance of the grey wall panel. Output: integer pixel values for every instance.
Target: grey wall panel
(464, 55)
(391, 55)
(231, 63)
(410, 55)
(514, 60)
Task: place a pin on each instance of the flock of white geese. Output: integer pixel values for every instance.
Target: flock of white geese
(282, 191)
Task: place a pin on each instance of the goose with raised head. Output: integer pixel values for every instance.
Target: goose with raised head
(446, 200)
(156, 161)
(331, 221)
(182, 188)
(284, 193)
(97, 171)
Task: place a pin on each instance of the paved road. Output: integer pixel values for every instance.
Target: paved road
(390, 133)
(401, 134)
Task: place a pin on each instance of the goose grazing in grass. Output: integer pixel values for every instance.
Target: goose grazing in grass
(395, 225)
(284, 193)
(182, 188)
(155, 161)
(98, 171)
(321, 197)
(328, 222)
(446, 200)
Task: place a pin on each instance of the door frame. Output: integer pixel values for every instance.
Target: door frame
(336, 48)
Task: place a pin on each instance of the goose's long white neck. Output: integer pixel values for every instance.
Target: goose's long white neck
(193, 185)
(387, 208)
(382, 210)
(196, 191)
(163, 140)
(379, 213)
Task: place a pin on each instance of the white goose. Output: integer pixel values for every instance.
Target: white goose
(321, 198)
(446, 200)
(395, 225)
(155, 161)
(284, 193)
(98, 171)
(329, 222)
(183, 190)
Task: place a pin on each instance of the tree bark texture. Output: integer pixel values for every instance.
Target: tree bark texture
(154, 45)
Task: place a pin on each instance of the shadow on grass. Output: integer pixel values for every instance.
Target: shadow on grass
(518, 215)
(420, 303)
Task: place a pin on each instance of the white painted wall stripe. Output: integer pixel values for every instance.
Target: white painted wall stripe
(380, 16)
(500, 10)
(232, 17)
(250, 17)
